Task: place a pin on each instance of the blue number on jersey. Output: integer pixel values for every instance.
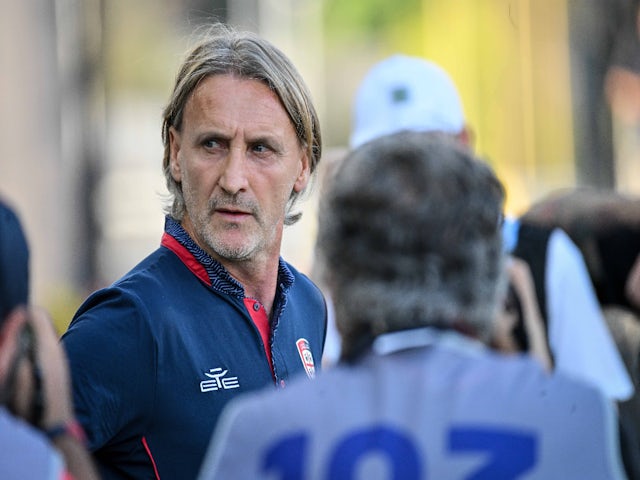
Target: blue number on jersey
(397, 448)
(511, 453)
(287, 457)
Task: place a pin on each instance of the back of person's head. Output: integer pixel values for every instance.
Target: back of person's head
(605, 225)
(405, 93)
(221, 50)
(14, 262)
(409, 236)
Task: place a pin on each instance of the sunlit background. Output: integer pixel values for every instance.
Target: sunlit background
(84, 82)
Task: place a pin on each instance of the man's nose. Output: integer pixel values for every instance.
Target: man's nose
(234, 175)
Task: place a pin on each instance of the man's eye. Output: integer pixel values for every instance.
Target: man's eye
(211, 143)
(261, 148)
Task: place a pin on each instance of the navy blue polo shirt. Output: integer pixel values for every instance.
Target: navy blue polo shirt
(156, 356)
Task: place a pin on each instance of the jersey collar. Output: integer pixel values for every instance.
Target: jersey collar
(207, 269)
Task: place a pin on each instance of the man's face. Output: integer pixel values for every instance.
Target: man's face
(238, 160)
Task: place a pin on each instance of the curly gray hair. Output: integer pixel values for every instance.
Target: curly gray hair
(409, 236)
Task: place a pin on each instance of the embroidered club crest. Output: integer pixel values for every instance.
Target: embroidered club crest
(306, 356)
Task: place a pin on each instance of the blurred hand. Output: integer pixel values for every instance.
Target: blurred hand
(34, 369)
(520, 278)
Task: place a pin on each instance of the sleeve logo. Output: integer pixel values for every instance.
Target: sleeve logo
(306, 357)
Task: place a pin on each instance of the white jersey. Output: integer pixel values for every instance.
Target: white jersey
(25, 453)
(579, 338)
(447, 409)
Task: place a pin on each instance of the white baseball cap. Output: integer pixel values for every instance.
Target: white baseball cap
(405, 93)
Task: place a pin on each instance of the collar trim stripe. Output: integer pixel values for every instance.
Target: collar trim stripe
(186, 256)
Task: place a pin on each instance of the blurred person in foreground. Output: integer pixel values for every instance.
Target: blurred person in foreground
(39, 438)
(409, 232)
(410, 93)
(214, 312)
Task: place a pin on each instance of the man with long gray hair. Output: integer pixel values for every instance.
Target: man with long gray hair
(215, 311)
(410, 235)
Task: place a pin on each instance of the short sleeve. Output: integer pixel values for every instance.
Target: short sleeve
(112, 359)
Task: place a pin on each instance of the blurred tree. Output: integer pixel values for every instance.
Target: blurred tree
(372, 17)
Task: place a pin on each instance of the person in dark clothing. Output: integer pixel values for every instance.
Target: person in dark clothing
(39, 437)
(215, 311)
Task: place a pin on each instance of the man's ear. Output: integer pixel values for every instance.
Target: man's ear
(632, 285)
(304, 174)
(174, 154)
(467, 137)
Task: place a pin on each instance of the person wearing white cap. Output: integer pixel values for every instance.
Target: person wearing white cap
(411, 93)
(407, 93)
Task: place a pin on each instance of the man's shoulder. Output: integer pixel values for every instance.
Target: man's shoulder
(299, 277)
(146, 286)
(487, 381)
(159, 265)
(304, 295)
(485, 402)
(519, 377)
(156, 270)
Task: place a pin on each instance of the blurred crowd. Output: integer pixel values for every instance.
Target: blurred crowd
(431, 327)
